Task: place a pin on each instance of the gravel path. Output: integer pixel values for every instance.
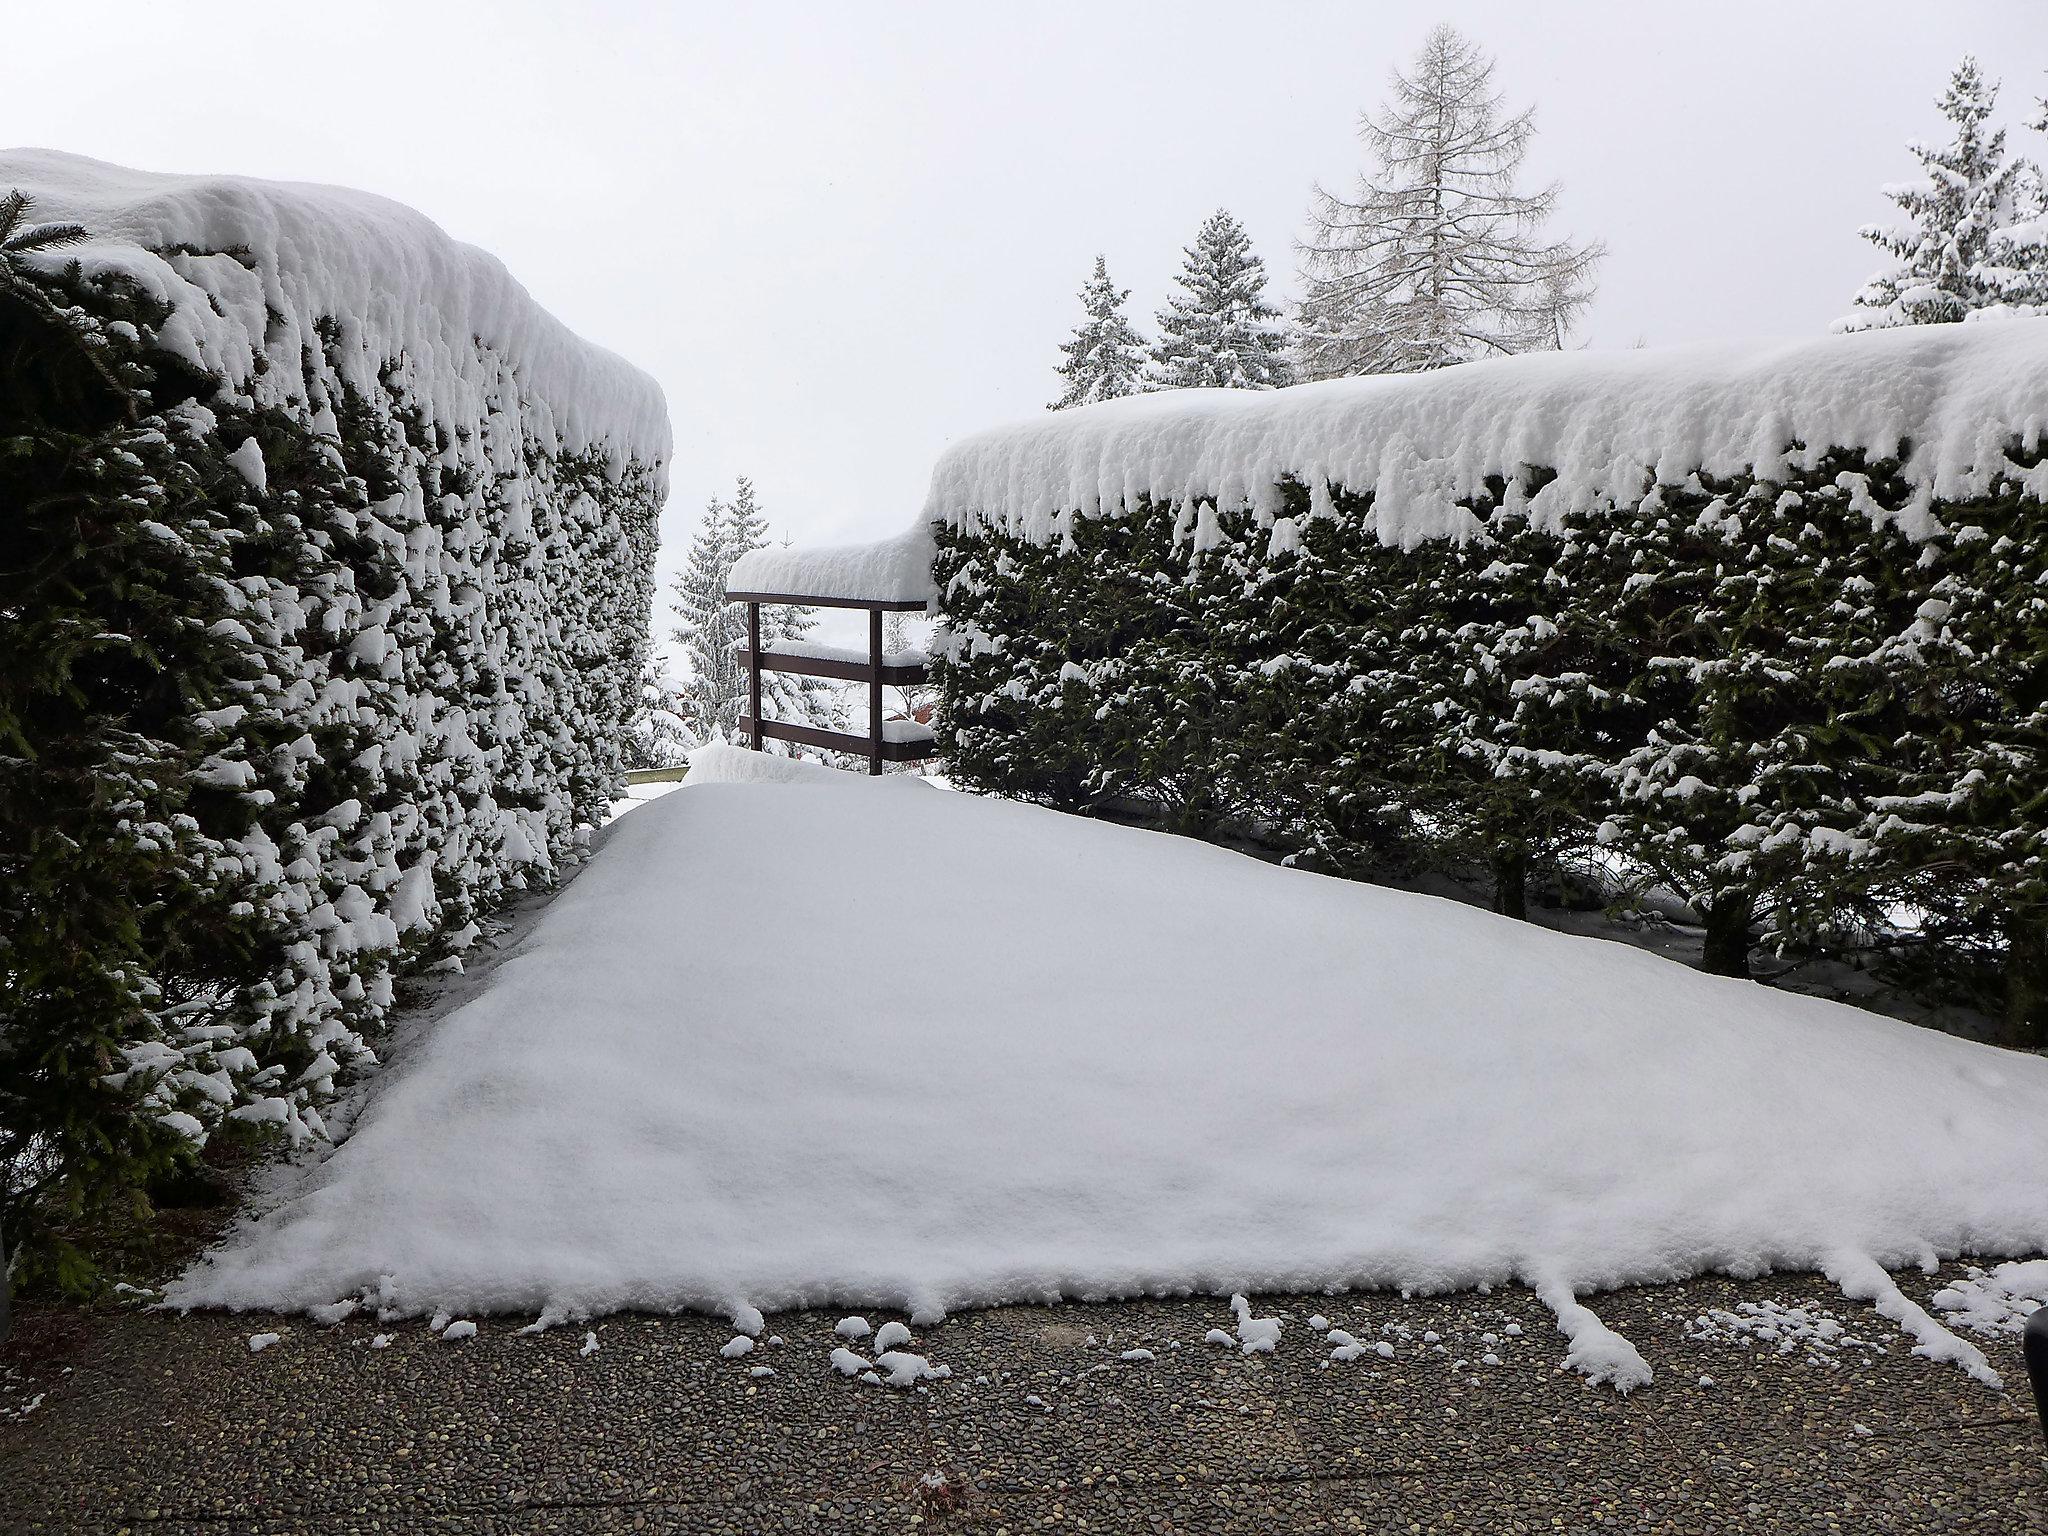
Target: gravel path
(164, 1424)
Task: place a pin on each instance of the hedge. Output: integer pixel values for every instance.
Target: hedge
(310, 666)
(1812, 702)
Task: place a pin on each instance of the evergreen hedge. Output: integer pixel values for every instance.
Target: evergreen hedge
(1757, 692)
(298, 685)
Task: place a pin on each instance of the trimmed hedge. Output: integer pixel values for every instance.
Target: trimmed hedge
(299, 684)
(1759, 693)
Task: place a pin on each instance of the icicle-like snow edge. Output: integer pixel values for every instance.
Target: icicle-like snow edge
(1953, 399)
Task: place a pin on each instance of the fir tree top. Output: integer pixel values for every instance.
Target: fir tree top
(1105, 359)
(1948, 258)
(1218, 332)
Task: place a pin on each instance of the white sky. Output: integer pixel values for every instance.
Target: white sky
(842, 235)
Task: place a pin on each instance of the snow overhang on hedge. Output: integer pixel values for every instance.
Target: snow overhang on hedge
(1957, 398)
(405, 296)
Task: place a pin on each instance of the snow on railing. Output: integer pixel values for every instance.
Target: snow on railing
(894, 572)
(891, 576)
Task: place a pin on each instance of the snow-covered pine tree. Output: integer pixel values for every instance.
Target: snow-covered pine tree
(1948, 258)
(659, 733)
(1106, 358)
(786, 696)
(2018, 268)
(1437, 258)
(708, 628)
(1218, 331)
(714, 699)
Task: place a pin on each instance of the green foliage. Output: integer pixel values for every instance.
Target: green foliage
(1759, 695)
(288, 704)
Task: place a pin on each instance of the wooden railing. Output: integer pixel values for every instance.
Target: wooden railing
(886, 741)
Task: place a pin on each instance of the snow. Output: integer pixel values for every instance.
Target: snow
(1255, 1335)
(455, 1332)
(248, 463)
(897, 570)
(860, 654)
(900, 1368)
(400, 287)
(851, 1328)
(1810, 1332)
(1996, 1300)
(736, 1346)
(1861, 1279)
(259, 1342)
(1604, 421)
(1132, 1064)
(1595, 1350)
(890, 1335)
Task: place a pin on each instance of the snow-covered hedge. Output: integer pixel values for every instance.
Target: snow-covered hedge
(328, 595)
(1766, 625)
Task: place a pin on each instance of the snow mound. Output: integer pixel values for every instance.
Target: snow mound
(719, 762)
(1131, 1064)
(405, 295)
(897, 570)
(1604, 421)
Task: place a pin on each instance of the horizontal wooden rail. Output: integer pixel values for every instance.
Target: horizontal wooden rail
(798, 600)
(757, 659)
(841, 741)
(833, 666)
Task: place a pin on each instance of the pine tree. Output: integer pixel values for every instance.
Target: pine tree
(1438, 259)
(711, 630)
(2018, 269)
(1949, 259)
(784, 695)
(658, 735)
(708, 628)
(1106, 358)
(1218, 332)
(53, 344)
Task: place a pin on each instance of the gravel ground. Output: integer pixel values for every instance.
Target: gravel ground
(166, 1424)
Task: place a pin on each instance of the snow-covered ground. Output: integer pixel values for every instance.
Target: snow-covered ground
(797, 1037)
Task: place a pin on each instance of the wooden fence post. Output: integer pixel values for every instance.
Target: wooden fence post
(875, 691)
(754, 675)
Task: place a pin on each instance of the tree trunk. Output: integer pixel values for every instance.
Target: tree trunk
(1511, 880)
(6, 1291)
(2026, 982)
(1728, 922)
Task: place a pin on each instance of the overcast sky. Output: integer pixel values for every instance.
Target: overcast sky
(841, 235)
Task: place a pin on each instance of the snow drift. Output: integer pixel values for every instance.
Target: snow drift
(1047, 1057)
